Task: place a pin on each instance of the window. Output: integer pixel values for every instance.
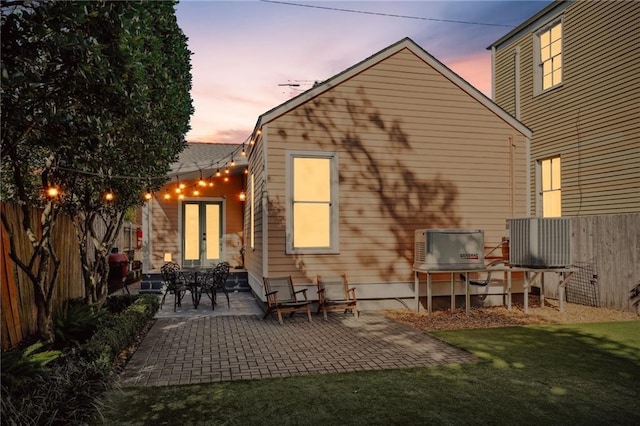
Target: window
(551, 187)
(252, 212)
(548, 57)
(312, 210)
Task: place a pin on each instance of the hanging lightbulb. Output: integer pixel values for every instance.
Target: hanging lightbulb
(52, 192)
(202, 182)
(243, 152)
(178, 190)
(218, 172)
(182, 185)
(167, 196)
(226, 170)
(210, 183)
(148, 195)
(109, 196)
(243, 196)
(233, 162)
(226, 178)
(246, 170)
(181, 196)
(196, 192)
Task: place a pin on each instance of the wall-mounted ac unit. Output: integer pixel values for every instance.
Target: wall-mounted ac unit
(448, 249)
(537, 242)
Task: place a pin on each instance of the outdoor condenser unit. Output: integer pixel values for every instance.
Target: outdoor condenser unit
(540, 242)
(448, 249)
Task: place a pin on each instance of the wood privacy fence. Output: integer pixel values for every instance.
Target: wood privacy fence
(18, 314)
(610, 243)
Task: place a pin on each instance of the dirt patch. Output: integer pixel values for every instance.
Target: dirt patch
(499, 316)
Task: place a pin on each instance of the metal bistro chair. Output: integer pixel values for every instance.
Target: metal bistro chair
(173, 282)
(215, 281)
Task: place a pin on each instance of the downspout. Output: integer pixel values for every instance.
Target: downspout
(516, 81)
(265, 205)
(493, 73)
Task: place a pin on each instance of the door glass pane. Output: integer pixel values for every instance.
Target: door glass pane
(191, 232)
(213, 231)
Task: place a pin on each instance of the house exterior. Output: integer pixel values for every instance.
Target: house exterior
(342, 175)
(571, 74)
(201, 225)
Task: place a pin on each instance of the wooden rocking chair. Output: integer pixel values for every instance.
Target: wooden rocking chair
(334, 294)
(283, 298)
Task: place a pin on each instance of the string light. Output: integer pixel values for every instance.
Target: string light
(148, 195)
(243, 152)
(243, 196)
(166, 195)
(52, 192)
(226, 178)
(109, 196)
(202, 181)
(233, 162)
(196, 192)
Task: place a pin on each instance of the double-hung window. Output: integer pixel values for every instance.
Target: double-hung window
(312, 208)
(548, 57)
(551, 187)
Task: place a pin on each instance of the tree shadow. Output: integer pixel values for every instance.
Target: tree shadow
(386, 197)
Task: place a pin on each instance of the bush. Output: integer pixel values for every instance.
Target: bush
(70, 389)
(118, 303)
(76, 323)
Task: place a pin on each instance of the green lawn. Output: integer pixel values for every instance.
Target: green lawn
(584, 374)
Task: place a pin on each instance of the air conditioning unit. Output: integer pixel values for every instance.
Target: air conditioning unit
(540, 242)
(448, 249)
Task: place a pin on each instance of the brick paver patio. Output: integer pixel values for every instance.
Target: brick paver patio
(202, 349)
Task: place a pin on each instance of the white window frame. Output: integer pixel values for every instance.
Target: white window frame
(334, 243)
(537, 61)
(540, 184)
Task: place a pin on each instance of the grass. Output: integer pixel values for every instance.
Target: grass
(560, 374)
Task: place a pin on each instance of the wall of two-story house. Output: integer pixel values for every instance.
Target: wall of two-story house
(572, 75)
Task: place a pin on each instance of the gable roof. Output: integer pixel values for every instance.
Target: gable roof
(554, 7)
(205, 156)
(405, 43)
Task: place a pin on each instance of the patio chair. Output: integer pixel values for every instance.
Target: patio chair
(283, 298)
(215, 281)
(174, 283)
(334, 294)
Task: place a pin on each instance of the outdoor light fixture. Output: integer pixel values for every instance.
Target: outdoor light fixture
(52, 192)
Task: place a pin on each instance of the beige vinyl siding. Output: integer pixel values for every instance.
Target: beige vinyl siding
(414, 151)
(593, 120)
(253, 257)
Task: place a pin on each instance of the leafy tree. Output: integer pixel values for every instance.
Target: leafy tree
(95, 98)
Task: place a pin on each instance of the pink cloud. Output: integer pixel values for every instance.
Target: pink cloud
(475, 69)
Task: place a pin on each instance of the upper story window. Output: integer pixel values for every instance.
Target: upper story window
(312, 213)
(551, 187)
(548, 57)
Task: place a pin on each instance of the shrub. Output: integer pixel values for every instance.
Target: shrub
(76, 323)
(70, 389)
(21, 365)
(118, 303)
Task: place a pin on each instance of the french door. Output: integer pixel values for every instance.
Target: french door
(201, 233)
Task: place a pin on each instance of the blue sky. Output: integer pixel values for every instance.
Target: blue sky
(244, 51)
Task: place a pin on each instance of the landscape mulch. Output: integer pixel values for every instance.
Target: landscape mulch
(499, 316)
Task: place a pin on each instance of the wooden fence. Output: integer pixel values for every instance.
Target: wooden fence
(18, 312)
(612, 244)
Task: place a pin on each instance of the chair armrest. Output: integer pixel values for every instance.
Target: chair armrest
(303, 291)
(321, 295)
(352, 290)
(272, 297)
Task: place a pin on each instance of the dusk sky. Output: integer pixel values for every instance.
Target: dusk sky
(244, 51)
